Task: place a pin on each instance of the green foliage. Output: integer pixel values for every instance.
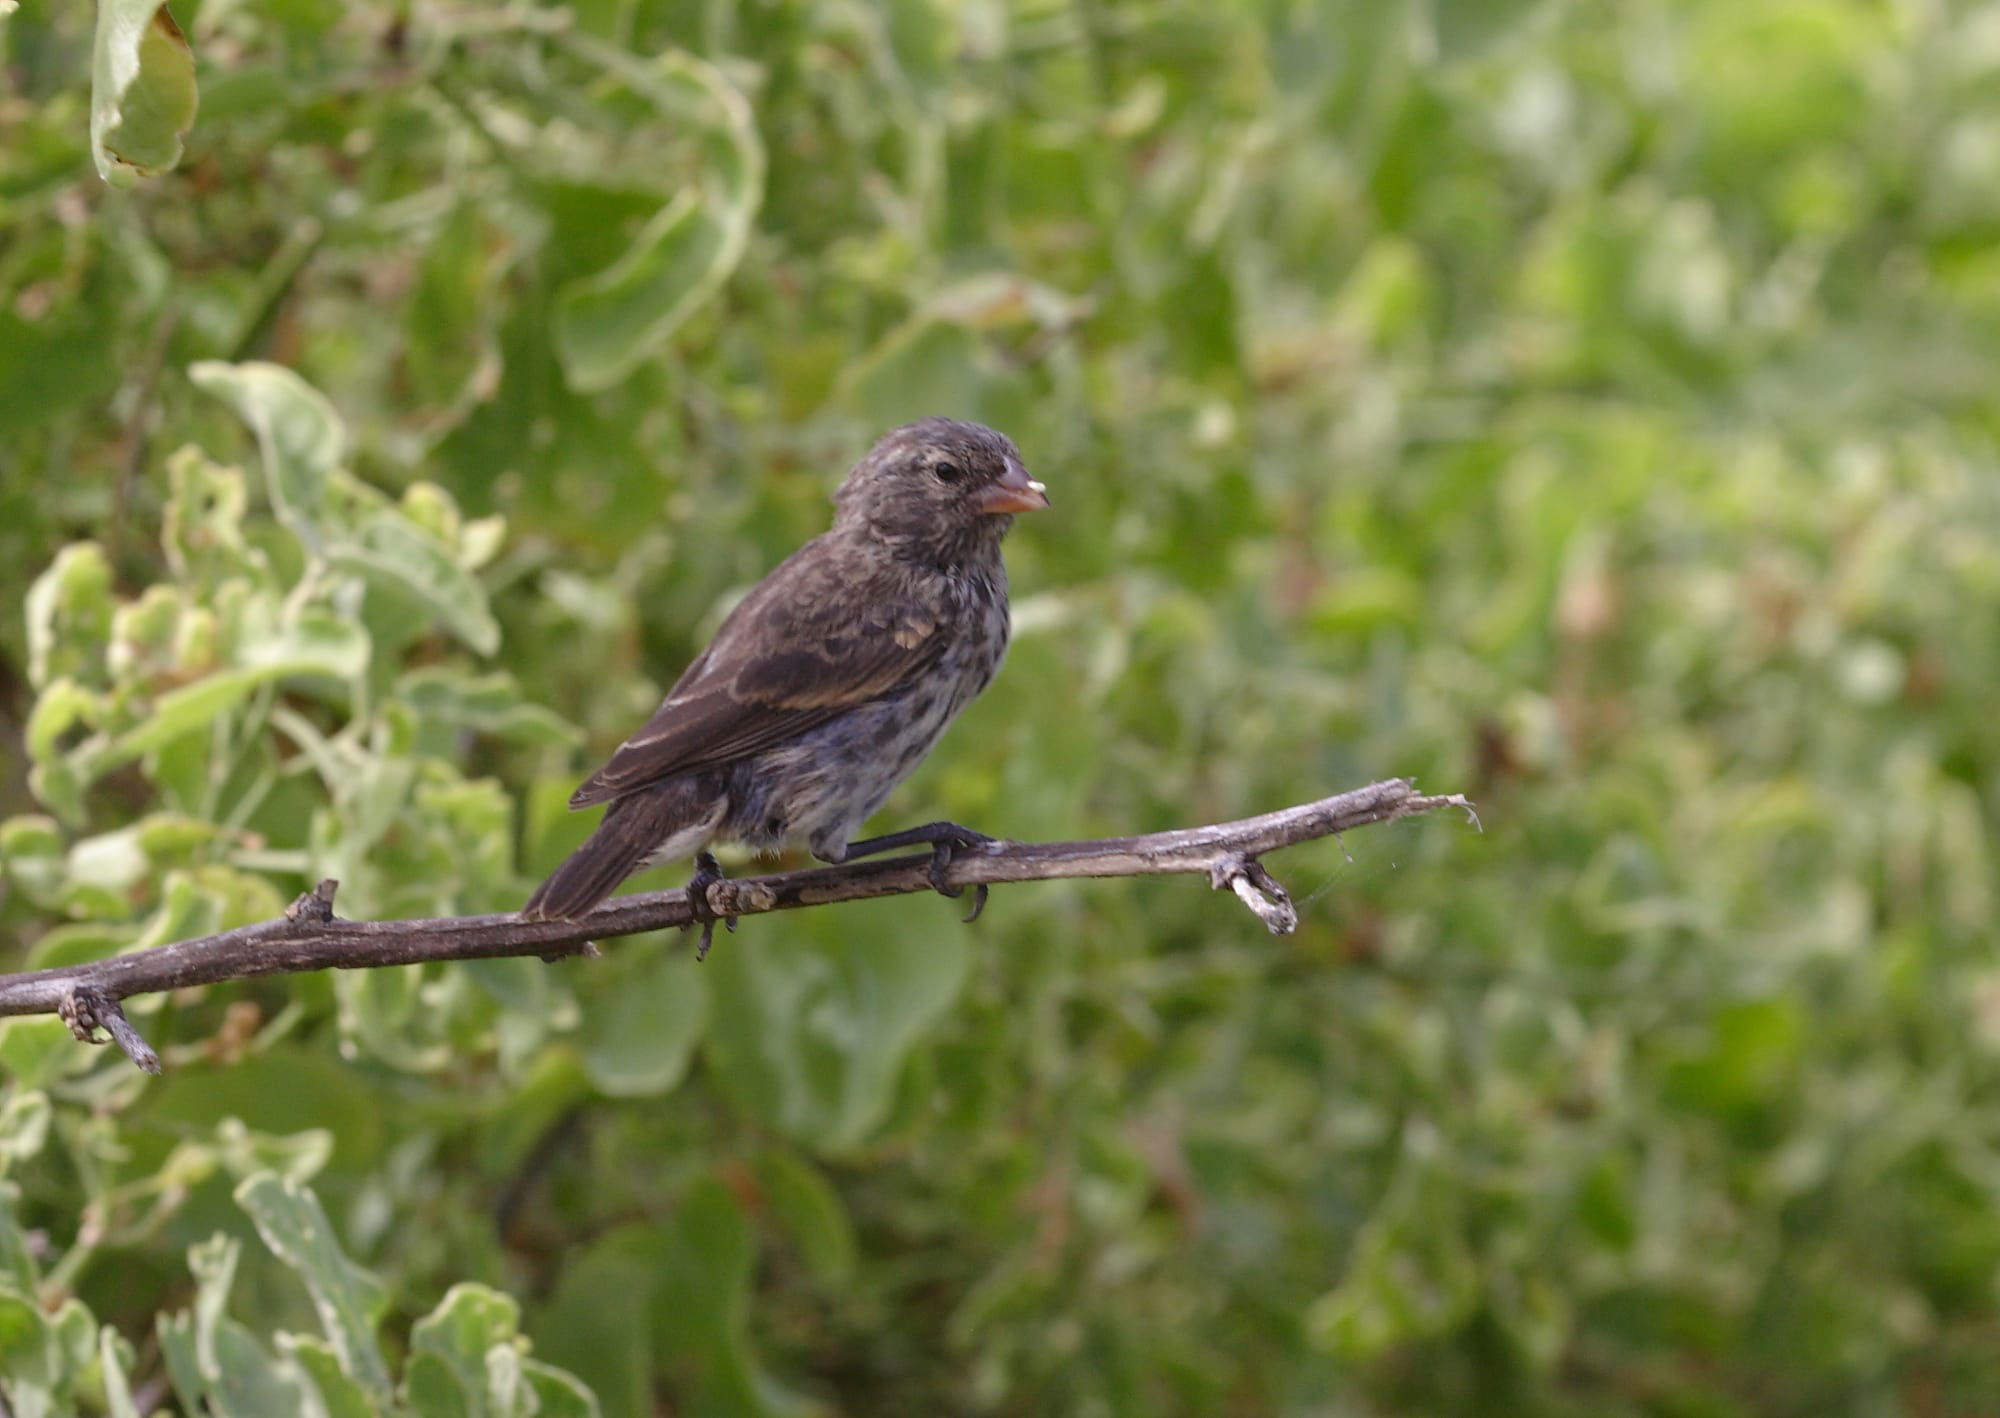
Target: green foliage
(1588, 406)
(467, 1358)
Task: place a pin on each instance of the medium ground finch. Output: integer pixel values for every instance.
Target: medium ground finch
(828, 684)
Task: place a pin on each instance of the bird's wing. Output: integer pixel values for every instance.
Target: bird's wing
(821, 634)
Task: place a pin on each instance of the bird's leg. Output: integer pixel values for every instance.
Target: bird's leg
(944, 839)
(707, 872)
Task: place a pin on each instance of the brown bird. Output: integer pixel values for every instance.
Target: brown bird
(827, 684)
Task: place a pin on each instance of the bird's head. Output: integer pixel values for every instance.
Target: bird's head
(939, 489)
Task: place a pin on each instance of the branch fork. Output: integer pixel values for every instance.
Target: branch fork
(309, 937)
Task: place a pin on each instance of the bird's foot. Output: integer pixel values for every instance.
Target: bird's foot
(942, 851)
(707, 872)
(946, 840)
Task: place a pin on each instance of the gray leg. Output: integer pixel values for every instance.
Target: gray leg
(943, 838)
(707, 871)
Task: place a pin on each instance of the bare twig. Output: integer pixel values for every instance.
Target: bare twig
(309, 937)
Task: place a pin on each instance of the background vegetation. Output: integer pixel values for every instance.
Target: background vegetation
(1589, 406)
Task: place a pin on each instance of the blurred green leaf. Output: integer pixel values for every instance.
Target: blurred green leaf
(606, 324)
(18, 1271)
(390, 550)
(294, 1157)
(491, 704)
(24, 1125)
(467, 1357)
(213, 1359)
(339, 1393)
(314, 645)
(114, 1359)
(301, 438)
(29, 1366)
(68, 611)
(37, 1051)
(177, 1350)
(810, 1027)
(1588, 407)
(809, 1209)
(558, 1394)
(639, 1034)
(202, 521)
(142, 99)
(348, 1298)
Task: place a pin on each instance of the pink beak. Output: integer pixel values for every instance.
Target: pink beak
(1015, 492)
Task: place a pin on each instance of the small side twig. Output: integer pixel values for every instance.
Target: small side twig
(86, 1010)
(308, 936)
(1259, 890)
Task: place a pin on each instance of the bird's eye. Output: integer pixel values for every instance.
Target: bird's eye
(946, 472)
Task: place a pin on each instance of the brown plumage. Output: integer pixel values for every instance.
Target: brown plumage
(829, 682)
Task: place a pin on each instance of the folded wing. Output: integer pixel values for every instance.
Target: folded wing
(820, 635)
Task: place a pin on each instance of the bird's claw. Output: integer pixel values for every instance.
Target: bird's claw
(946, 840)
(707, 872)
(942, 852)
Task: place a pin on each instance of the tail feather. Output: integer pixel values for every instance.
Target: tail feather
(666, 820)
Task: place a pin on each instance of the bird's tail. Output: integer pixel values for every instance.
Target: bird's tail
(675, 818)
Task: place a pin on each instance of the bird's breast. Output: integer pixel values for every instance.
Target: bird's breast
(824, 783)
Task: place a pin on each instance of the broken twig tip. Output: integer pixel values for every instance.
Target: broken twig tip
(1431, 804)
(1258, 889)
(86, 1010)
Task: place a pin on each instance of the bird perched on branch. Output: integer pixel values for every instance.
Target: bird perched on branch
(827, 684)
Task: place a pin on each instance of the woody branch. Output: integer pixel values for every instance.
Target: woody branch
(309, 937)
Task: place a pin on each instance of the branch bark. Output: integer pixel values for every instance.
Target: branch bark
(308, 936)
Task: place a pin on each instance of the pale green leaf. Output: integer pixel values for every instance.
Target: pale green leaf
(608, 323)
(559, 1393)
(300, 436)
(318, 644)
(299, 1156)
(177, 1348)
(69, 609)
(202, 521)
(114, 1360)
(247, 1382)
(339, 1394)
(142, 93)
(35, 1051)
(489, 703)
(349, 1299)
(468, 1322)
(64, 705)
(390, 550)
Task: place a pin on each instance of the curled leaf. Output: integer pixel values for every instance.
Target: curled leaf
(301, 437)
(608, 323)
(142, 91)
